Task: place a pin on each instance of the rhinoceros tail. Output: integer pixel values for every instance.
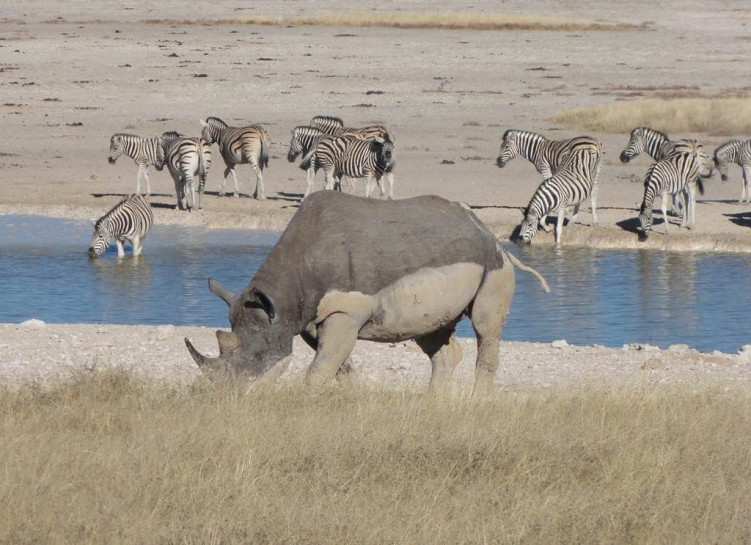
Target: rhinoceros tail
(519, 265)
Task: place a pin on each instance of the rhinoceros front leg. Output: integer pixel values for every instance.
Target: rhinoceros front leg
(336, 338)
(444, 353)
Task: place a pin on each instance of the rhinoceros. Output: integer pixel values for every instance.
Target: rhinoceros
(349, 268)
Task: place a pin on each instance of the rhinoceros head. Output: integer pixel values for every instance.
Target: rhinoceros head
(259, 339)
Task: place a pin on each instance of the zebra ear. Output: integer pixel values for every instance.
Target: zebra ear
(203, 123)
(379, 140)
(523, 211)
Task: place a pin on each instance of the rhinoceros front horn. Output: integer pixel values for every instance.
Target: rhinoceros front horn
(205, 363)
(220, 291)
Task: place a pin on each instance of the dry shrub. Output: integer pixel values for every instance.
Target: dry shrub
(720, 116)
(114, 459)
(469, 21)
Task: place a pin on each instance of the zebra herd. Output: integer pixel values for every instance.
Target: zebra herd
(325, 143)
(570, 170)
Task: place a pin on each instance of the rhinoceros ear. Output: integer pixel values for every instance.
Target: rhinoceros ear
(265, 302)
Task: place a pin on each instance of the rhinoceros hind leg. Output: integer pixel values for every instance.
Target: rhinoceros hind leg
(489, 312)
(336, 339)
(444, 353)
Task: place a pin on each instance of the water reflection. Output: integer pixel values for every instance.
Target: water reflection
(599, 297)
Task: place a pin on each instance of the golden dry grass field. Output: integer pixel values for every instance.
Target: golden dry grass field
(108, 458)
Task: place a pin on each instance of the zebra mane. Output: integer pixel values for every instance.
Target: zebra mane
(305, 128)
(215, 120)
(121, 134)
(170, 134)
(535, 135)
(328, 119)
(653, 131)
(726, 146)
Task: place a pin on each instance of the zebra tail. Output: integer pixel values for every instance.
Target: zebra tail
(201, 162)
(264, 150)
(519, 265)
(700, 185)
(305, 162)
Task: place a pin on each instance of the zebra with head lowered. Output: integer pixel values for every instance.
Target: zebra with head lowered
(350, 156)
(571, 184)
(304, 141)
(547, 156)
(239, 146)
(142, 150)
(738, 152)
(185, 158)
(130, 220)
(669, 176)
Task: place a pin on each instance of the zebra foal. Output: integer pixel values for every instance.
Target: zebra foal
(738, 152)
(670, 176)
(239, 146)
(185, 158)
(142, 150)
(129, 220)
(572, 183)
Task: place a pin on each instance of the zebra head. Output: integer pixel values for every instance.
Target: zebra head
(635, 145)
(509, 148)
(384, 150)
(101, 239)
(161, 153)
(721, 158)
(295, 145)
(116, 148)
(212, 128)
(528, 228)
(645, 221)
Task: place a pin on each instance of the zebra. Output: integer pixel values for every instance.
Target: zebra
(130, 219)
(738, 152)
(658, 146)
(335, 127)
(185, 157)
(547, 156)
(571, 184)
(350, 156)
(671, 175)
(239, 146)
(326, 123)
(141, 150)
(304, 140)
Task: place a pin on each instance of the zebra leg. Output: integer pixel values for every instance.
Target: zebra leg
(328, 179)
(311, 180)
(178, 191)
(148, 182)
(120, 249)
(593, 201)
(745, 190)
(227, 170)
(543, 224)
(575, 214)
(350, 183)
(664, 207)
(367, 185)
(201, 186)
(390, 176)
(259, 193)
(136, 244)
(138, 179)
(559, 225)
(189, 189)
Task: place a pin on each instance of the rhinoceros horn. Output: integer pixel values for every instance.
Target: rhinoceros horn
(228, 344)
(220, 291)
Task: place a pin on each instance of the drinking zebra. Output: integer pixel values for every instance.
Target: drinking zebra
(335, 127)
(350, 156)
(547, 156)
(658, 146)
(185, 157)
(239, 146)
(141, 150)
(738, 152)
(572, 183)
(669, 176)
(130, 220)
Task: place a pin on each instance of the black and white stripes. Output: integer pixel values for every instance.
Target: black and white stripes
(239, 146)
(546, 155)
(572, 183)
(130, 220)
(143, 151)
(738, 152)
(185, 158)
(670, 176)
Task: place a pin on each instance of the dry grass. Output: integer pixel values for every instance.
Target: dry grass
(719, 116)
(113, 459)
(462, 21)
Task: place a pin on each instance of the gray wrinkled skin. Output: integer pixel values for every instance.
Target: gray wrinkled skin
(349, 268)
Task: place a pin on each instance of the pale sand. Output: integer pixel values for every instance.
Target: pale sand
(54, 351)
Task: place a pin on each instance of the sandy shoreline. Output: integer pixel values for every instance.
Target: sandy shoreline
(46, 352)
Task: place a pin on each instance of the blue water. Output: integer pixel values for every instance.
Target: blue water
(599, 297)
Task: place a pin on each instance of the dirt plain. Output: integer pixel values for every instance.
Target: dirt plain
(73, 74)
